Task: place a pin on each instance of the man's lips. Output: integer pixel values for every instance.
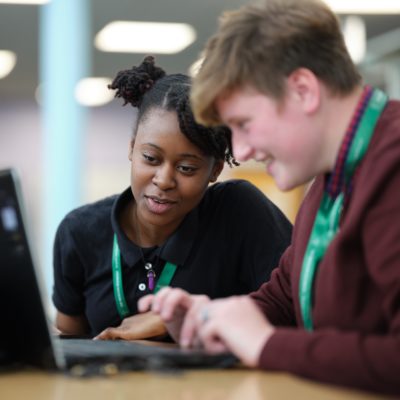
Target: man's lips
(269, 165)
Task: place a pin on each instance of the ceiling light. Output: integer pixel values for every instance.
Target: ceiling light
(8, 60)
(145, 37)
(93, 92)
(364, 7)
(24, 1)
(355, 36)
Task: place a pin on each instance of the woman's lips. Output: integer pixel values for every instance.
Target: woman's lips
(159, 206)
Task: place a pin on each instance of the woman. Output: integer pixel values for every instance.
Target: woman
(169, 227)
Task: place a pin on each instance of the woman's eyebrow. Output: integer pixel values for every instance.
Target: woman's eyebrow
(183, 155)
(189, 155)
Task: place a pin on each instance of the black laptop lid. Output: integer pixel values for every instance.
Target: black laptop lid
(24, 337)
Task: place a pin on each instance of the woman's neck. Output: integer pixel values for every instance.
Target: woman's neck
(143, 234)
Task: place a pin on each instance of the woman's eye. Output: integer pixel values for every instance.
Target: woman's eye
(186, 169)
(149, 158)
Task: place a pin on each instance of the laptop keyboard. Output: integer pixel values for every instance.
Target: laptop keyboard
(136, 356)
(103, 348)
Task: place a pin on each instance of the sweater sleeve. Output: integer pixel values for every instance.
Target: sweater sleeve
(368, 362)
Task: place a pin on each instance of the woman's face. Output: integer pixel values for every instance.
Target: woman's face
(169, 174)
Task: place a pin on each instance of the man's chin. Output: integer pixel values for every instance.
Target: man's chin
(285, 185)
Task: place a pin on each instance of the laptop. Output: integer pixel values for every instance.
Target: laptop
(26, 337)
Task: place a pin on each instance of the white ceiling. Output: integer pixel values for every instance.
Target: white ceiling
(19, 31)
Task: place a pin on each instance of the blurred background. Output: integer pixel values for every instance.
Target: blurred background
(59, 126)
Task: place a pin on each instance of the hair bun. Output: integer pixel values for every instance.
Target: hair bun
(132, 84)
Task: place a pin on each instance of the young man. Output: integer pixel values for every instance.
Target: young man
(280, 77)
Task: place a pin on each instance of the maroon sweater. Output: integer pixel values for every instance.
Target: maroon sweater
(356, 312)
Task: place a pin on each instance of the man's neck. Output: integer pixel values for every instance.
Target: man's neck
(339, 113)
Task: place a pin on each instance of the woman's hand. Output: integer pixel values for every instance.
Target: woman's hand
(139, 326)
(179, 310)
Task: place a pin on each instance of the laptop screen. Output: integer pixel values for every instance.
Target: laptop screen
(25, 337)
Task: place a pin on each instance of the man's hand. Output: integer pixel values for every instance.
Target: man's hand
(179, 310)
(234, 324)
(140, 326)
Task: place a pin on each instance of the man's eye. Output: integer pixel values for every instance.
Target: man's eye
(239, 125)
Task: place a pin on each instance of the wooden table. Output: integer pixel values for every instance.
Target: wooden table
(233, 384)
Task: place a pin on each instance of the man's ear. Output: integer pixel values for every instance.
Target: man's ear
(217, 169)
(131, 145)
(304, 86)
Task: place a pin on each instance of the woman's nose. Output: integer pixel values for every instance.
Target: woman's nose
(164, 178)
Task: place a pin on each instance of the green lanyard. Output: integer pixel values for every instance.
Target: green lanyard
(326, 222)
(122, 307)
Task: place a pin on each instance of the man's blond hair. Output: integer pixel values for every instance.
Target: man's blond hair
(262, 44)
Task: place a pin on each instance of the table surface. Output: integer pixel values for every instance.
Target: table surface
(228, 384)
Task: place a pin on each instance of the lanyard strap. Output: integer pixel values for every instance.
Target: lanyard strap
(326, 222)
(165, 279)
(166, 276)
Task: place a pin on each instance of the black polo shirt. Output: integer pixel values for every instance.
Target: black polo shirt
(227, 245)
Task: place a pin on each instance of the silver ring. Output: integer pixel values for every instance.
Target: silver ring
(204, 315)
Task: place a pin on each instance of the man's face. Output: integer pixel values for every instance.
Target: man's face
(278, 134)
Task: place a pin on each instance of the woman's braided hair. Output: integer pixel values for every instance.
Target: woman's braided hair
(148, 86)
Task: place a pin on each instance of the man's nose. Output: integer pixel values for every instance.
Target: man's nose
(242, 151)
